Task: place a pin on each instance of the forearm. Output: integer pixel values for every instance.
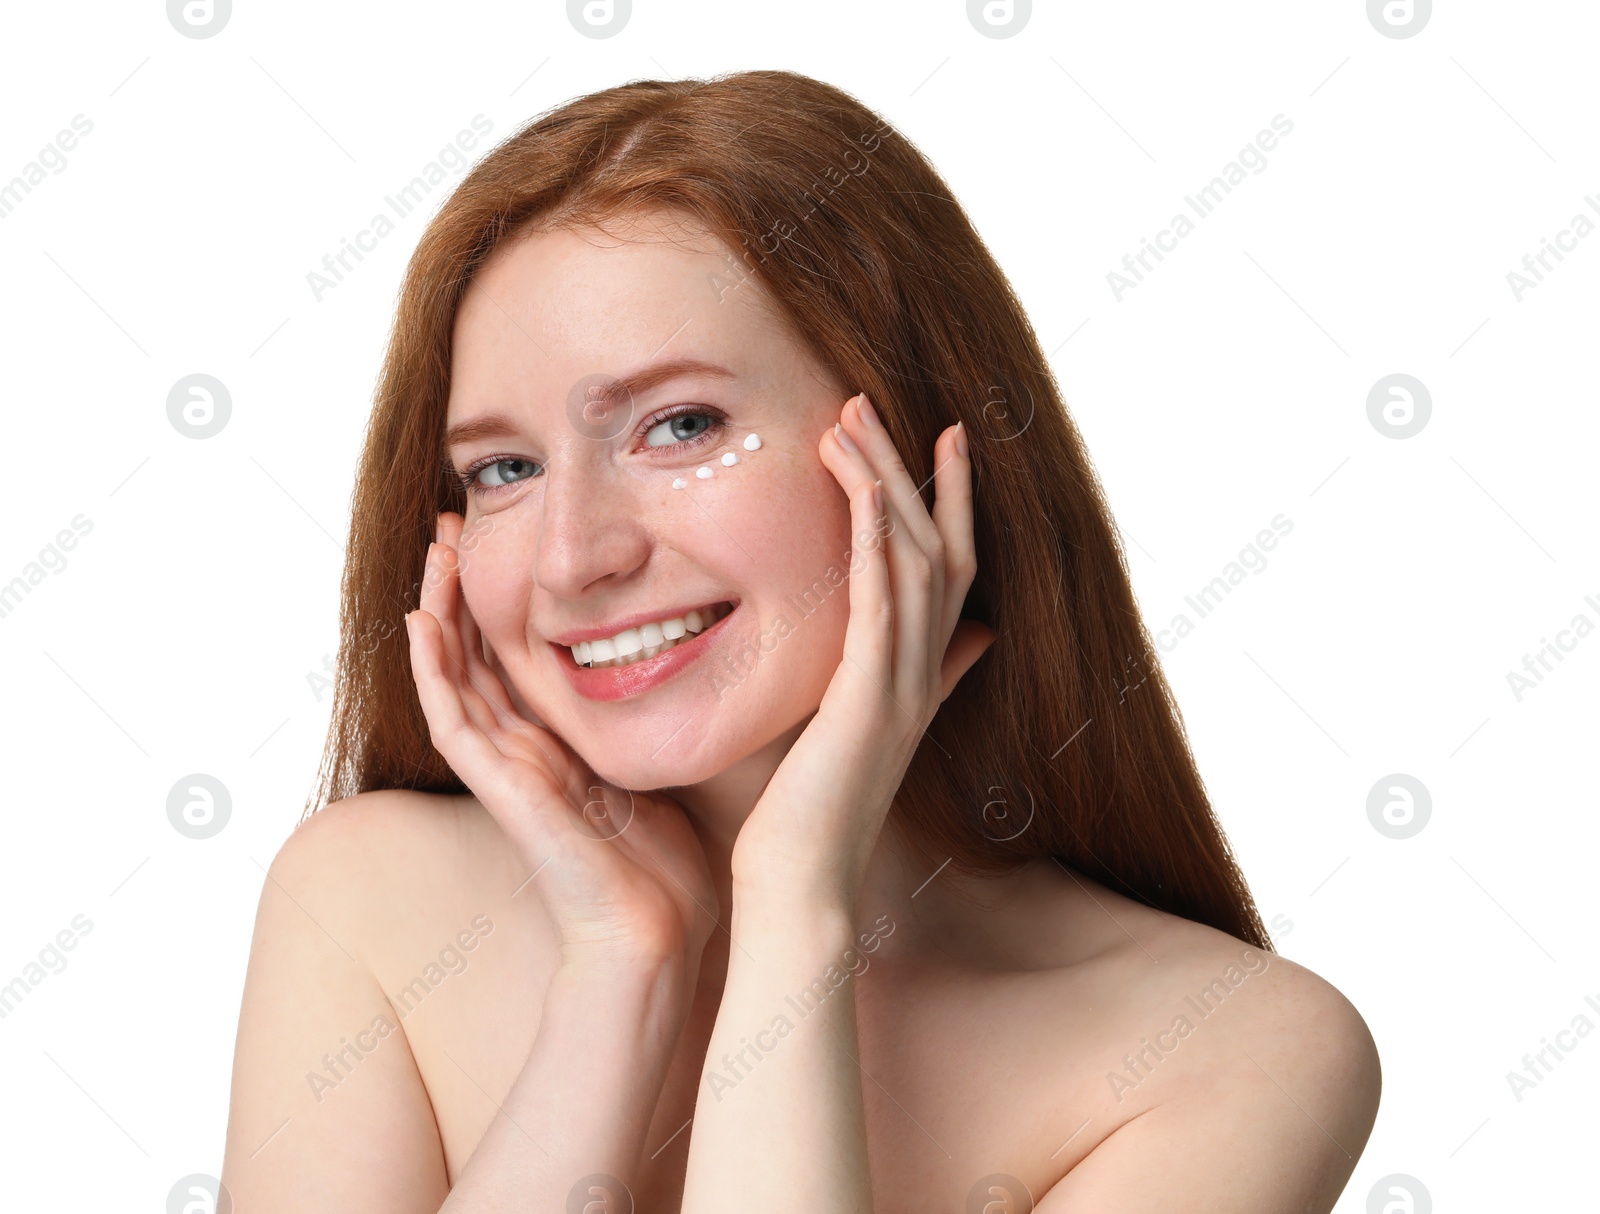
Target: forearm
(779, 1123)
(583, 1101)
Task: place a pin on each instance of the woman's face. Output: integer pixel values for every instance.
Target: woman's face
(574, 528)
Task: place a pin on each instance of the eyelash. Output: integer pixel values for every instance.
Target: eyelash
(468, 477)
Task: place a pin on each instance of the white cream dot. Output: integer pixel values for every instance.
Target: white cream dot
(729, 459)
(752, 442)
(678, 482)
(705, 473)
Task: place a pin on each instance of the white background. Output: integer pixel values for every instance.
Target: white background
(1227, 388)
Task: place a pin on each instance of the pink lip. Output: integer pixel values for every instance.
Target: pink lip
(619, 682)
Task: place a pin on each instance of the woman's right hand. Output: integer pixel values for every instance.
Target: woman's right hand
(621, 873)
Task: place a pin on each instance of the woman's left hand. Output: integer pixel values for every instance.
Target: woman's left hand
(810, 836)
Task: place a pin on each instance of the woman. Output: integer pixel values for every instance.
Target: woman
(745, 801)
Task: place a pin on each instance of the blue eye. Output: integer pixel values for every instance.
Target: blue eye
(680, 428)
(502, 474)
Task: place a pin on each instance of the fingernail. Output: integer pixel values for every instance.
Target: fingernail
(845, 440)
(961, 441)
(409, 631)
(877, 498)
(869, 415)
(438, 528)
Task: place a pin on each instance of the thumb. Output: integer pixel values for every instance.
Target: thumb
(968, 643)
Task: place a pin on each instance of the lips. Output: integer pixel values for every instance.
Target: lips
(621, 682)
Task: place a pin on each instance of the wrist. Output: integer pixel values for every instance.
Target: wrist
(644, 993)
(813, 914)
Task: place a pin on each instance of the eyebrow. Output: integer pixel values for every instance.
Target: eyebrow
(498, 425)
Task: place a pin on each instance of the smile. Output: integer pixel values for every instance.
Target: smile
(639, 644)
(641, 657)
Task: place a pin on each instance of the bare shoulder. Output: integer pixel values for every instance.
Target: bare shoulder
(1254, 1077)
(367, 963)
(386, 861)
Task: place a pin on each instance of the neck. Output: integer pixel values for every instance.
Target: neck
(896, 873)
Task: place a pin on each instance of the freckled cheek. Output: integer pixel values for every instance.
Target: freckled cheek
(496, 581)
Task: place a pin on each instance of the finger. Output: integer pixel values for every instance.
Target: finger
(864, 426)
(968, 643)
(479, 673)
(911, 575)
(916, 554)
(454, 733)
(952, 514)
(438, 599)
(869, 638)
(440, 594)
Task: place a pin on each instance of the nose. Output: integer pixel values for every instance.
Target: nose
(592, 530)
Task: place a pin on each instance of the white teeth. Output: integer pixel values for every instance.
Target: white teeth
(636, 644)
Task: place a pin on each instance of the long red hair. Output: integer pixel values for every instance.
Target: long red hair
(1064, 740)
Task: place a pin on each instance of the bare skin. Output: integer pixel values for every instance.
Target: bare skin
(475, 1004)
(989, 1035)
